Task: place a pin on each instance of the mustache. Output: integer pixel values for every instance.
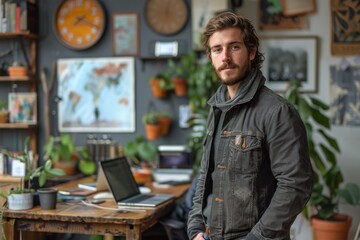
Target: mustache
(227, 65)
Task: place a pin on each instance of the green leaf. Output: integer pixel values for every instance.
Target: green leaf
(329, 155)
(319, 103)
(320, 118)
(332, 141)
(42, 179)
(87, 167)
(48, 165)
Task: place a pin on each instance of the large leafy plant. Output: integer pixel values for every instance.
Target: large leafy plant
(327, 192)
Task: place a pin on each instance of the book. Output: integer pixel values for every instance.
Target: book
(76, 192)
(88, 186)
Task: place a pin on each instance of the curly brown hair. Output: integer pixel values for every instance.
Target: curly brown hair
(230, 19)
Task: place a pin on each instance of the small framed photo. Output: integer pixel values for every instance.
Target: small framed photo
(288, 58)
(296, 7)
(23, 108)
(166, 49)
(125, 34)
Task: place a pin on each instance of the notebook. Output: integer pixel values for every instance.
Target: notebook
(124, 188)
(99, 185)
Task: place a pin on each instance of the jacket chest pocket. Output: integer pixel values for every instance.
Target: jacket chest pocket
(246, 152)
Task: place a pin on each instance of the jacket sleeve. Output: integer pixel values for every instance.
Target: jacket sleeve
(195, 220)
(286, 143)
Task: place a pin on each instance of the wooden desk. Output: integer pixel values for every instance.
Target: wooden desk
(75, 217)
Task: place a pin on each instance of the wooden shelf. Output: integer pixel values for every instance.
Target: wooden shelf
(16, 126)
(18, 34)
(16, 79)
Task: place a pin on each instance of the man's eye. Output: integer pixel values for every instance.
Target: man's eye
(216, 50)
(235, 47)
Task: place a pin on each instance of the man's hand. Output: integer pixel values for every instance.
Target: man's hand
(200, 236)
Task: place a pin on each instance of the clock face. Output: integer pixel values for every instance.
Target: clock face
(166, 16)
(79, 24)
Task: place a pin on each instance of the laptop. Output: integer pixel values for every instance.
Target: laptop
(174, 164)
(124, 188)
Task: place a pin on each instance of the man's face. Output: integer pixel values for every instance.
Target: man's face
(229, 56)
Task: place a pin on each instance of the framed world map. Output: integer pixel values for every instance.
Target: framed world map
(96, 94)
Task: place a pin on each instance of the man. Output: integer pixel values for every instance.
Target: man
(255, 174)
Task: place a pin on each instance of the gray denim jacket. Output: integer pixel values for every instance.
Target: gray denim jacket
(263, 178)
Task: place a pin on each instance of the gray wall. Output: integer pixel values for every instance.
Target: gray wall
(50, 49)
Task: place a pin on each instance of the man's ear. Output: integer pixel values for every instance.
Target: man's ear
(253, 53)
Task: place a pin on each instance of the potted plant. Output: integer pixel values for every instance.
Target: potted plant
(18, 69)
(22, 198)
(327, 191)
(4, 113)
(160, 85)
(180, 72)
(65, 155)
(142, 155)
(164, 120)
(152, 127)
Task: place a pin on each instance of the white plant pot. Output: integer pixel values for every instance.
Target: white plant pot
(21, 201)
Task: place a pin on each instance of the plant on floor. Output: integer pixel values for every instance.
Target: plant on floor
(327, 191)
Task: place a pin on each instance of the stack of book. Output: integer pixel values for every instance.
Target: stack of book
(18, 16)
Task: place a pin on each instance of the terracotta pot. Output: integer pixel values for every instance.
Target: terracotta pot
(180, 87)
(142, 176)
(157, 90)
(336, 229)
(152, 131)
(164, 123)
(18, 71)
(4, 118)
(69, 167)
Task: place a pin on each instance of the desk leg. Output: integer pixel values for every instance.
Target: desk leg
(133, 232)
(10, 230)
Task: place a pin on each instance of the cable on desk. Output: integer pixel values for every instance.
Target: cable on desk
(125, 209)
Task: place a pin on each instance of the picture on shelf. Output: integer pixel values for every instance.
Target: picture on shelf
(22, 108)
(97, 94)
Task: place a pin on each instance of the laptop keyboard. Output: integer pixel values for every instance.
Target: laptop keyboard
(139, 198)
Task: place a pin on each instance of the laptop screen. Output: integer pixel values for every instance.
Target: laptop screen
(119, 177)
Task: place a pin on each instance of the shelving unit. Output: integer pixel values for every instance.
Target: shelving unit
(28, 50)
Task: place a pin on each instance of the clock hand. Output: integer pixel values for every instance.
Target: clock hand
(88, 23)
(79, 19)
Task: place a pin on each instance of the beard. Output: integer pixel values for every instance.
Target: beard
(236, 75)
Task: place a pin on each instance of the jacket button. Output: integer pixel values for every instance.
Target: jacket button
(226, 132)
(219, 200)
(221, 166)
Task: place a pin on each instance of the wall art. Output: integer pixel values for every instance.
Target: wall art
(22, 108)
(125, 34)
(96, 94)
(288, 58)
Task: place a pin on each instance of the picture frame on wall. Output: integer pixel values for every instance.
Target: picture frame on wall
(288, 58)
(345, 35)
(271, 17)
(125, 34)
(103, 101)
(23, 108)
(296, 7)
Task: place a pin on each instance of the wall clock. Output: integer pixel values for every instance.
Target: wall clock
(79, 24)
(166, 16)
